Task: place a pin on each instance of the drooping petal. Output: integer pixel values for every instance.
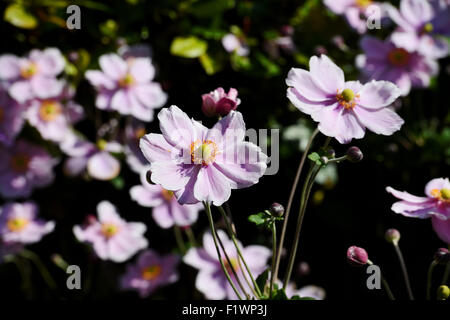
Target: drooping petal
(170, 175)
(304, 83)
(383, 121)
(403, 195)
(442, 228)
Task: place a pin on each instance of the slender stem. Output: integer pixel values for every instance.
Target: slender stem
(213, 231)
(289, 204)
(274, 254)
(446, 274)
(230, 264)
(385, 284)
(190, 235)
(404, 271)
(429, 279)
(238, 249)
(304, 200)
(179, 239)
(41, 268)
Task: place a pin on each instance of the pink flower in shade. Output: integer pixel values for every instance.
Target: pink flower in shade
(201, 164)
(211, 280)
(232, 43)
(19, 223)
(134, 131)
(355, 11)
(420, 27)
(95, 159)
(11, 118)
(344, 109)
(33, 76)
(53, 117)
(150, 272)
(383, 60)
(112, 237)
(23, 167)
(166, 209)
(126, 86)
(436, 205)
(219, 103)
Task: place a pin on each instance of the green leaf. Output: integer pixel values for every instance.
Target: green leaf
(18, 16)
(297, 297)
(314, 156)
(188, 47)
(280, 295)
(262, 280)
(257, 219)
(209, 64)
(118, 183)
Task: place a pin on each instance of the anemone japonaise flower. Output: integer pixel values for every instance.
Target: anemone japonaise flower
(11, 118)
(23, 167)
(219, 103)
(344, 109)
(233, 44)
(53, 117)
(33, 76)
(355, 11)
(150, 272)
(383, 60)
(19, 223)
(126, 86)
(201, 164)
(112, 237)
(166, 212)
(436, 205)
(421, 27)
(211, 280)
(96, 159)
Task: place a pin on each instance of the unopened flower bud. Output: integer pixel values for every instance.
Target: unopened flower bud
(442, 256)
(354, 154)
(443, 292)
(357, 256)
(276, 209)
(330, 153)
(324, 160)
(392, 236)
(219, 103)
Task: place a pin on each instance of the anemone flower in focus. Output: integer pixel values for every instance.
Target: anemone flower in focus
(436, 205)
(201, 164)
(211, 280)
(112, 237)
(344, 109)
(150, 272)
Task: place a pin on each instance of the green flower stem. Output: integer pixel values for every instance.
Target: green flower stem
(41, 268)
(404, 270)
(190, 235)
(429, 278)
(446, 274)
(179, 239)
(238, 249)
(385, 284)
(274, 254)
(304, 200)
(213, 231)
(289, 204)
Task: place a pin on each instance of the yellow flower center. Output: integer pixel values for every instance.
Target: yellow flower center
(428, 27)
(139, 133)
(17, 224)
(203, 152)
(167, 194)
(49, 110)
(102, 144)
(109, 230)
(443, 194)
(28, 71)
(19, 162)
(126, 81)
(363, 3)
(347, 98)
(151, 272)
(399, 57)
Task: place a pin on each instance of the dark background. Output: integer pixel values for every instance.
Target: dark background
(355, 211)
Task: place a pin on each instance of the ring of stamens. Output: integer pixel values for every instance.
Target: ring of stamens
(28, 70)
(49, 110)
(17, 224)
(203, 152)
(109, 230)
(347, 98)
(441, 194)
(151, 272)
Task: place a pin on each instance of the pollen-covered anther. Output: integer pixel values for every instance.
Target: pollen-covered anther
(109, 230)
(49, 110)
(347, 98)
(17, 224)
(126, 81)
(203, 152)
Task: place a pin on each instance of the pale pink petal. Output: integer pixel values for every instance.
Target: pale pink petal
(113, 66)
(378, 94)
(326, 74)
(212, 185)
(103, 166)
(383, 121)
